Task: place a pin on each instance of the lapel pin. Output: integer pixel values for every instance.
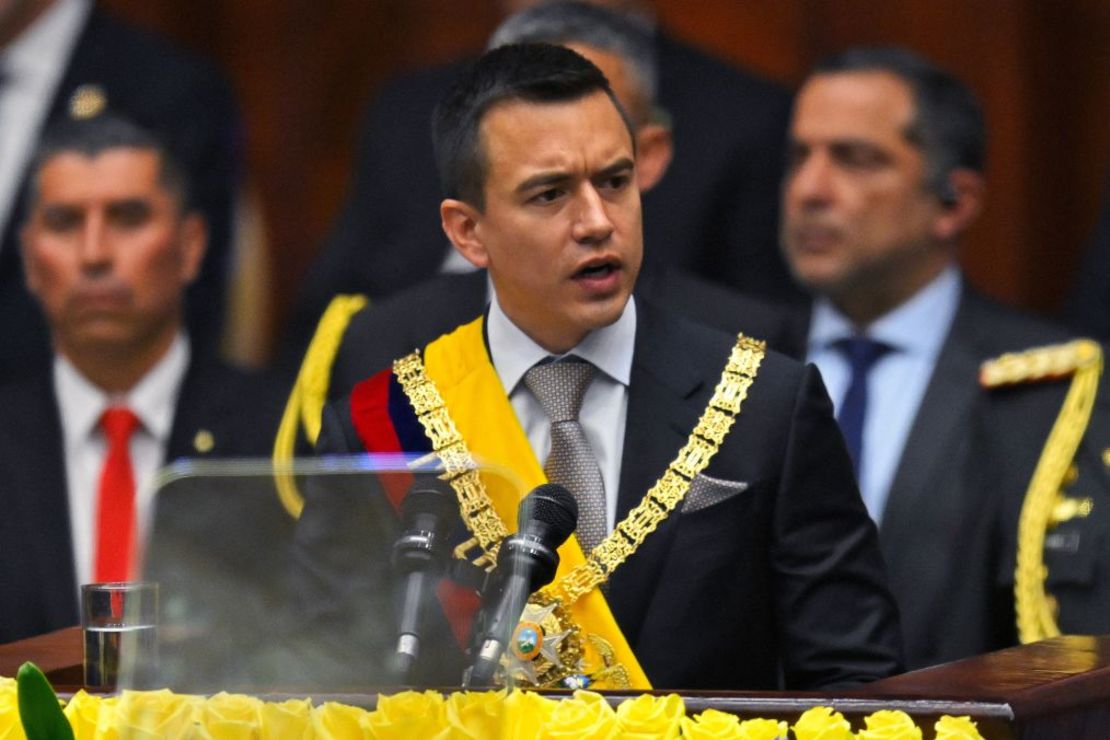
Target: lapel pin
(204, 441)
(87, 101)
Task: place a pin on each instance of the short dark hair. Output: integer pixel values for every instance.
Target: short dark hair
(100, 133)
(576, 22)
(539, 73)
(948, 121)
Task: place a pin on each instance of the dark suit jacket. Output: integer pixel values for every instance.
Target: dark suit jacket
(37, 577)
(1007, 440)
(384, 331)
(780, 583)
(190, 106)
(715, 212)
(929, 495)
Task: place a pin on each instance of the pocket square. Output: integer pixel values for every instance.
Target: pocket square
(706, 491)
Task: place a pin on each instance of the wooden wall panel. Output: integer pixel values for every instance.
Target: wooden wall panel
(303, 71)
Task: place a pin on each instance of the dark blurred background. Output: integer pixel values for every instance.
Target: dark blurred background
(303, 71)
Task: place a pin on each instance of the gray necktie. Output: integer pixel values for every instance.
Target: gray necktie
(560, 387)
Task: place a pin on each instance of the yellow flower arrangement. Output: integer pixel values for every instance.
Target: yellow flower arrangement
(822, 723)
(890, 725)
(519, 715)
(649, 716)
(10, 726)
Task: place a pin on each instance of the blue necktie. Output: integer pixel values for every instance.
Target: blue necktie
(862, 353)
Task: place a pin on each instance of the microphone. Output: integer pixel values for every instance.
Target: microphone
(526, 562)
(420, 555)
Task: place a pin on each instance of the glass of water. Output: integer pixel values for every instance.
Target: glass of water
(120, 622)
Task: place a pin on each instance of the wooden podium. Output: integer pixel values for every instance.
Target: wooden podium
(1059, 688)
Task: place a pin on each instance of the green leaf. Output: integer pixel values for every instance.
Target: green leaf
(39, 710)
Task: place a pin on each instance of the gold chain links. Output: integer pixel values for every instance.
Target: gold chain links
(663, 497)
(461, 472)
(669, 491)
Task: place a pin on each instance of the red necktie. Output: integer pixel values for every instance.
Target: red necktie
(115, 514)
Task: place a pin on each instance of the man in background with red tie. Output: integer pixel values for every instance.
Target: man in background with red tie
(110, 244)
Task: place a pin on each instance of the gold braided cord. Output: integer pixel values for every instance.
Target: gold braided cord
(1053, 362)
(663, 497)
(1034, 607)
(305, 405)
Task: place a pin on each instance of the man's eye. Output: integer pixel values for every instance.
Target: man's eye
(547, 196)
(61, 219)
(617, 182)
(860, 157)
(133, 213)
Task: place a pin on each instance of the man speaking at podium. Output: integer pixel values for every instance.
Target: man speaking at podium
(721, 541)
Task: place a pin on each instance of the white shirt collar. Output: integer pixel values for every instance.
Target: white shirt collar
(35, 60)
(513, 352)
(918, 326)
(153, 399)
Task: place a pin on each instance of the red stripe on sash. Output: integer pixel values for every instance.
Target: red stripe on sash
(374, 426)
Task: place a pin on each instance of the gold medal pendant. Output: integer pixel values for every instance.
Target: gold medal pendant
(548, 650)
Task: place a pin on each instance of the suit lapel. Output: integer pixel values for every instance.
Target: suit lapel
(934, 437)
(188, 411)
(660, 418)
(37, 491)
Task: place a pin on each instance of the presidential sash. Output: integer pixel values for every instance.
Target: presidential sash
(456, 397)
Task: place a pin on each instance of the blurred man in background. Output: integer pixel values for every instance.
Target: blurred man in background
(64, 59)
(109, 247)
(884, 176)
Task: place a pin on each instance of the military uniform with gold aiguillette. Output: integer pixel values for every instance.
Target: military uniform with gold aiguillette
(1042, 452)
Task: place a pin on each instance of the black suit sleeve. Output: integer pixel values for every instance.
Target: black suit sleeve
(838, 621)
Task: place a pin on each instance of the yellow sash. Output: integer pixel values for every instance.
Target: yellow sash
(458, 364)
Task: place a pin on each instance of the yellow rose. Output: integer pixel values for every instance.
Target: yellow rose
(10, 726)
(289, 720)
(890, 725)
(649, 716)
(762, 729)
(475, 714)
(232, 716)
(525, 714)
(956, 728)
(711, 724)
(822, 723)
(83, 713)
(140, 715)
(335, 721)
(585, 715)
(408, 714)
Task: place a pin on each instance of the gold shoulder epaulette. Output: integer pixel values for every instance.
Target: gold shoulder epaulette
(305, 406)
(1053, 362)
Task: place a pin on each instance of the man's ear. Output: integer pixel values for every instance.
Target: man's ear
(654, 149)
(30, 272)
(194, 243)
(961, 204)
(460, 222)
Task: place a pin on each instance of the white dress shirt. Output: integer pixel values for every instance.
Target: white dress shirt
(81, 404)
(605, 405)
(915, 331)
(33, 65)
